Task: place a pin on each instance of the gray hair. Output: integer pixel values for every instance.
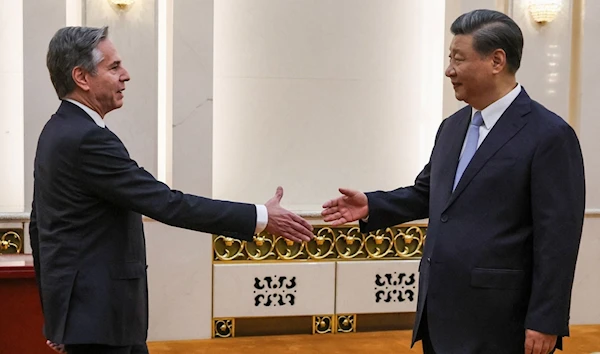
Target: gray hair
(492, 30)
(71, 47)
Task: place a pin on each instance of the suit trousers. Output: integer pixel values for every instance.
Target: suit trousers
(105, 349)
(426, 338)
(424, 329)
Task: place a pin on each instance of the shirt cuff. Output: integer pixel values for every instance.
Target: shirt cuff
(365, 219)
(262, 218)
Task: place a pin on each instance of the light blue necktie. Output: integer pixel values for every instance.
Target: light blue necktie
(470, 147)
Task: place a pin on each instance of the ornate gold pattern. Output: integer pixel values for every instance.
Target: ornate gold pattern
(322, 324)
(345, 323)
(350, 244)
(338, 243)
(261, 248)
(227, 248)
(11, 242)
(223, 327)
(323, 245)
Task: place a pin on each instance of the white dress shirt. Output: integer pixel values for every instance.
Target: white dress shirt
(90, 112)
(262, 216)
(492, 113)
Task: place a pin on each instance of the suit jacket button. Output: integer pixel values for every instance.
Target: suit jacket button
(428, 260)
(444, 218)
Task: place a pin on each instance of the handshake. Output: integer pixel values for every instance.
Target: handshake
(351, 206)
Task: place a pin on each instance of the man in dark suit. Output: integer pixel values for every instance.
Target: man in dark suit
(504, 192)
(89, 197)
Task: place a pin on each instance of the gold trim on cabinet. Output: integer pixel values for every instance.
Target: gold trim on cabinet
(345, 323)
(223, 328)
(323, 324)
(330, 243)
(11, 242)
(317, 324)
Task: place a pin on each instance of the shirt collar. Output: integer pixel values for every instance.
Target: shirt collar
(492, 113)
(90, 112)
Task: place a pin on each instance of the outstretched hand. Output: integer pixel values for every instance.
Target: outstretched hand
(283, 222)
(351, 206)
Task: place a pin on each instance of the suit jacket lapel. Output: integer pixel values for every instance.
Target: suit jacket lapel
(458, 131)
(68, 109)
(507, 126)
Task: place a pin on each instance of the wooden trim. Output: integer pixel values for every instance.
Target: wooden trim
(25, 272)
(261, 326)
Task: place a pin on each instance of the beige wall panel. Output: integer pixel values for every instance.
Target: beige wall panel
(314, 95)
(265, 290)
(377, 286)
(179, 279)
(589, 122)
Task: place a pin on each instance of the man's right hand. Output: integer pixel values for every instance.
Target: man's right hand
(351, 206)
(283, 222)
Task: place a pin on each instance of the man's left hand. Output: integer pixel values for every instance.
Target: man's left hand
(539, 343)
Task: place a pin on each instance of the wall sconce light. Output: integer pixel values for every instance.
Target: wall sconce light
(122, 5)
(544, 11)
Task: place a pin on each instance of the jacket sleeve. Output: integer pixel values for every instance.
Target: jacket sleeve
(107, 170)
(35, 248)
(400, 205)
(558, 208)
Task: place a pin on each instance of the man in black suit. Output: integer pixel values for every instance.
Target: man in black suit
(89, 197)
(504, 192)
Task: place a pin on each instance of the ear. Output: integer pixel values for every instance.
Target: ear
(498, 58)
(80, 77)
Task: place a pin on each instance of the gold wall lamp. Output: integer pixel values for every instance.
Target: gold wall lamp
(121, 5)
(544, 11)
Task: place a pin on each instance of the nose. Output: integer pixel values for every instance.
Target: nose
(450, 71)
(125, 75)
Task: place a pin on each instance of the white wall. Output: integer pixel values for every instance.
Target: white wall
(11, 105)
(134, 35)
(546, 64)
(314, 95)
(589, 123)
(180, 261)
(41, 21)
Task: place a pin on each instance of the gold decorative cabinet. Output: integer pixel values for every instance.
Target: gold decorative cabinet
(323, 286)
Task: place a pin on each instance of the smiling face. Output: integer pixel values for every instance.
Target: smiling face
(472, 74)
